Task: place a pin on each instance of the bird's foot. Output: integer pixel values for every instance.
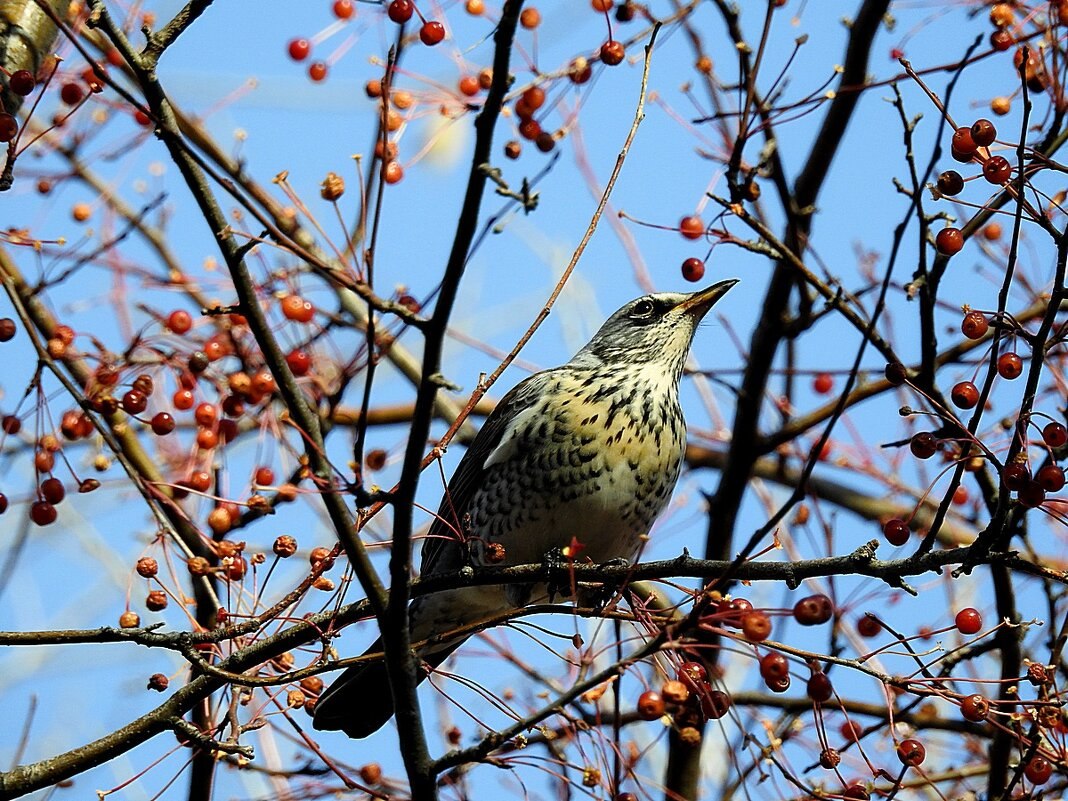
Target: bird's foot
(558, 575)
(598, 594)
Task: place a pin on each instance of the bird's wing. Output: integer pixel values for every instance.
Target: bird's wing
(443, 549)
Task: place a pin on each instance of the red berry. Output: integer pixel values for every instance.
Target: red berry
(22, 82)
(962, 141)
(732, 610)
(756, 626)
(692, 227)
(299, 362)
(1032, 496)
(530, 18)
(923, 445)
(3, 503)
(612, 52)
(52, 490)
(162, 424)
(693, 269)
(1055, 435)
(997, 170)
(432, 33)
(8, 329)
(344, 9)
(71, 93)
(9, 127)
(400, 10)
(183, 399)
(43, 513)
(896, 531)
(1001, 40)
(1038, 770)
(534, 98)
(964, 395)
(896, 373)
(715, 704)
(1016, 476)
(868, 626)
(778, 685)
(650, 705)
(468, 86)
(545, 142)
(299, 49)
(134, 402)
(856, 792)
(974, 708)
(851, 730)
(206, 414)
(530, 129)
(963, 158)
(11, 424)
(974, 325)
(813, 610)
(949, 241)
(950, 183)
(819, 687)
(1050, 478)
(264, 476)
(1010, 366)
(580, 70)
(774, 667)
(179, 321)
(984, 133)
(317, 71)
(823, 383)
(393, 172)
(911, 752)
(297, 309)
(968, 621)
(693, 675)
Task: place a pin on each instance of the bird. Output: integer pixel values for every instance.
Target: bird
(582, 456)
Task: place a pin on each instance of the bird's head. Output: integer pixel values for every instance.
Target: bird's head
(652, 328)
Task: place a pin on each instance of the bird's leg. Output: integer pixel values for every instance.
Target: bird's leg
(558, 576)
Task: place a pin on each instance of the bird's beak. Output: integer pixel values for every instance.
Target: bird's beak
(701, 301)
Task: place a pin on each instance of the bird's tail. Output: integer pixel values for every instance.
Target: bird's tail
(360, 701)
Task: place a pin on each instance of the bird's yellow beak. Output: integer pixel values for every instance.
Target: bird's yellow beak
(703, 300)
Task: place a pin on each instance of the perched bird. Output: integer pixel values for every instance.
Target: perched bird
(589, 451)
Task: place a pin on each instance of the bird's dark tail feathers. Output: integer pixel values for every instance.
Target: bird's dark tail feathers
(360, 702)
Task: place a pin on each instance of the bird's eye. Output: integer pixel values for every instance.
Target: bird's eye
(642, 310)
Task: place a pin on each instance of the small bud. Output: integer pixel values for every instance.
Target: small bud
(321, 559)
(129, 620)
(258, 503)
(371, 773)
(675, 692)
(690, 736)
(332, 187)
(285, 546)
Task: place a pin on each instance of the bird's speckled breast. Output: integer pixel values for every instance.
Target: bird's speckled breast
(589, 461)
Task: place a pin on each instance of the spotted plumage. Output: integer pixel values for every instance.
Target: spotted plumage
(589, 451)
